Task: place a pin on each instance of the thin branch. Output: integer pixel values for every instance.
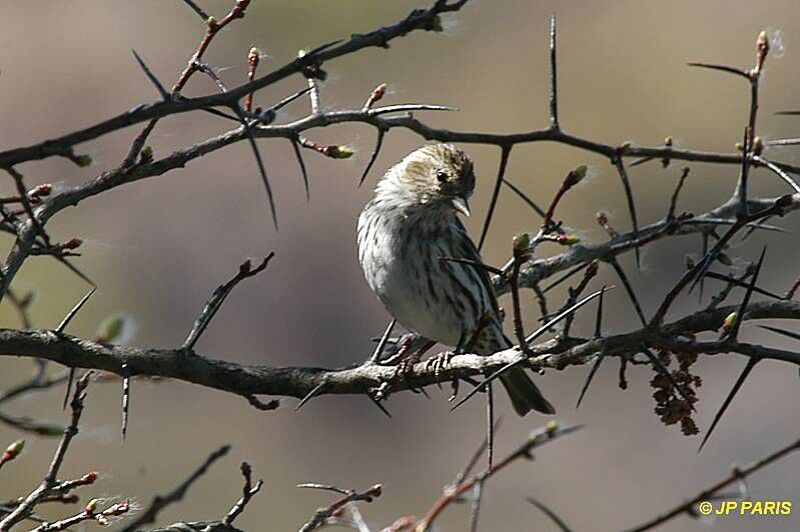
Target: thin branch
(162, 501)
(736, 475)
(218, 298)
(27, 506)
(248, 490)
(674, 200)
(535, 440)
(321, 515)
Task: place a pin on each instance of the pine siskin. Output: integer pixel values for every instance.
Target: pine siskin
(404, 232)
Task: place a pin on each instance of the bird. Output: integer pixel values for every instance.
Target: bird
(404, 232)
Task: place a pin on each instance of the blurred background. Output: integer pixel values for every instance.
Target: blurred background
(158, 247)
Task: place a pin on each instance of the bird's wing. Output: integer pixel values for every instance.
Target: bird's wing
(467, 250)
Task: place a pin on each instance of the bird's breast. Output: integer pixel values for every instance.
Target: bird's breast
(401, 259)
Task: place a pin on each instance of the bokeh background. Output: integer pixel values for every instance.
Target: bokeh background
(157, 248)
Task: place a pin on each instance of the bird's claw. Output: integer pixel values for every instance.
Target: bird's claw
(439, 363)
(405, 367)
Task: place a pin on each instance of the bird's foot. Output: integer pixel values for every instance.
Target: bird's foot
(403, 358)
(439, 362)
(405, 367)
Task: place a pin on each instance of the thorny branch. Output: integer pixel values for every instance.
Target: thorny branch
(736, 475)
(328, 514)
(150, 514)
(35, 207)
(535, 440)
(737, 213)
(299, 381)
(50, 484)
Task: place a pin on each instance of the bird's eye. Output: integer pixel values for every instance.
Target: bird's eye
(441, 176)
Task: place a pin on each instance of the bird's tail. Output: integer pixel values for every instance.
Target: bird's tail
(524, 394)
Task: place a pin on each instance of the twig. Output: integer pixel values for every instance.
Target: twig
(321, 515)
(218, 298)
(535, 440)
(28, 505)
(737, 474)
(248, 490)
(89, 513)
(162, 501)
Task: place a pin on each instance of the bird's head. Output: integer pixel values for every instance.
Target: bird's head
(437, 176)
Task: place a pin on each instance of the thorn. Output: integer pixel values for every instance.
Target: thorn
(590, 377)
(738, 384)
(538, 332)
(60, 329)
(489, 426)
(259, 162)
(505, 152)
(563, 278)
(784, 332)
(628, 288)
(538, 210)
(623, 175)
(310, 395)
(599, 319)
(551, 514)
(376, 355)
(289, 99)
(734, 333)
(553, 76)
(126, 399)
(71, 314)
(380, 406)
(722, 68)
(153, 79)
(70, 380)
(477, 265)
(302, 165)
(374, 156)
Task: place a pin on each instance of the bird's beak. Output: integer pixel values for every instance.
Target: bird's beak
(460, 204)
